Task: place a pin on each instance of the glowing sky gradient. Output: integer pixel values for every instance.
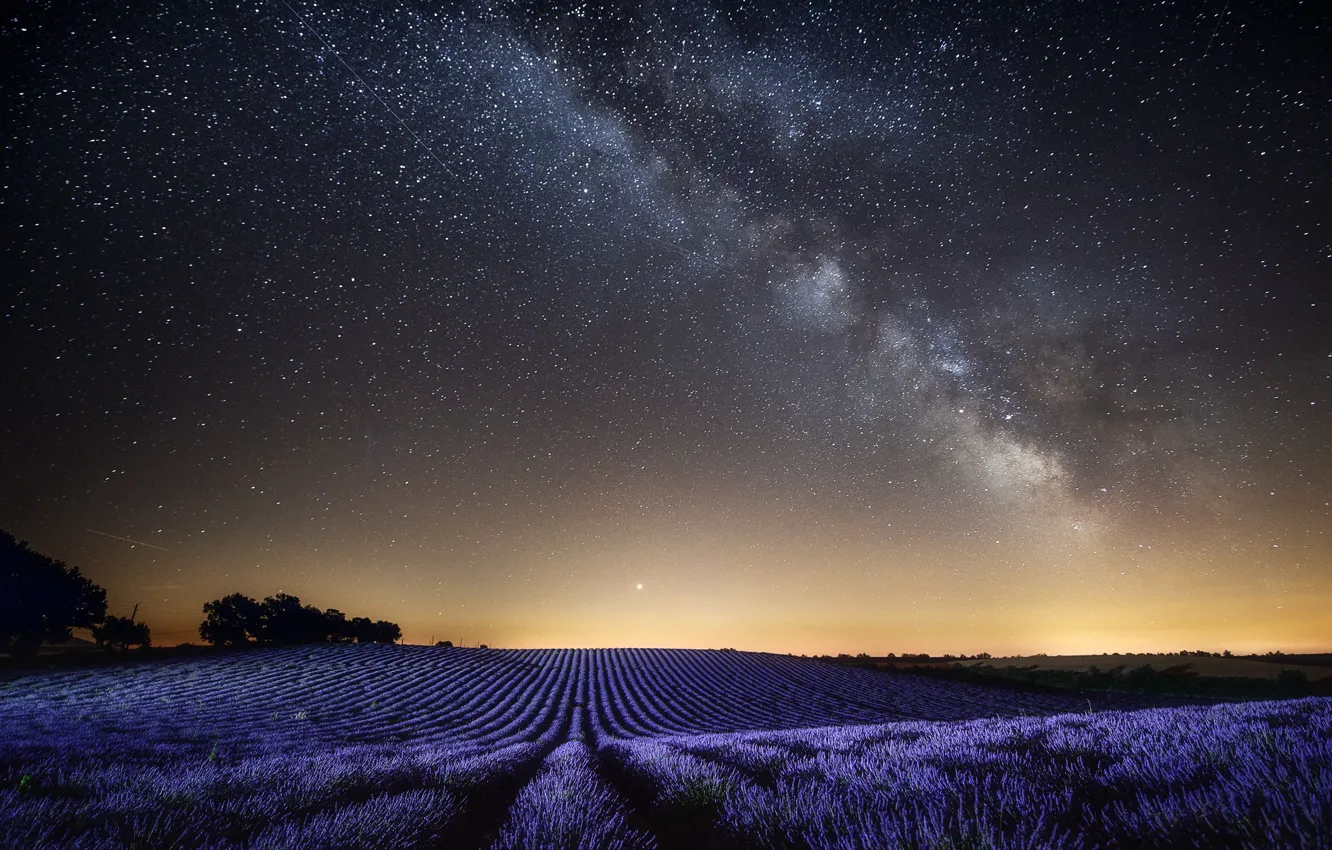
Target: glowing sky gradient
(899, 327)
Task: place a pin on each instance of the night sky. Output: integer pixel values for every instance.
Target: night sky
(877, 327)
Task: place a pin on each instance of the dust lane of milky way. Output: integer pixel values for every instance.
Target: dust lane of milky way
(930, 327)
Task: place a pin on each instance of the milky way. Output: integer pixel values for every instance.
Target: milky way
(879, 326)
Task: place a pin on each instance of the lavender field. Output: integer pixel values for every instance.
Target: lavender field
(370, 746)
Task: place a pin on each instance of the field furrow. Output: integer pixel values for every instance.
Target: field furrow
(348, 746)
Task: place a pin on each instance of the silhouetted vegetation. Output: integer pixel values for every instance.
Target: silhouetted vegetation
(1146, 679)
(1313, 659)
(238, 620)
(122, 633)
(865, 659)
(41, 599)
(1292, 682)
(444, 643)
(230, 621)
(379, 631)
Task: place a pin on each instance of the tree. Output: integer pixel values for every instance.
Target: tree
(339, 627)
(378, 631)
(362, 630)
(122, 633)
(236, 620)
(386, 632)
(284, 620)
(444, 643)
(230, 621)
(42, 600)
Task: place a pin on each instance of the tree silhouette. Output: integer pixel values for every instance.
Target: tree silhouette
(230, 621)
(122, 633)
(385, 632)
(378, 631)
(339, 627)
(42, 600)
(284, 620)
(362, 630)
(236, 620)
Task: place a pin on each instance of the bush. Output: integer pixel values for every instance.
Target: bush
(1292, 681)
(122, 633)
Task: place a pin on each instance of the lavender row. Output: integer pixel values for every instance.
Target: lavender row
(347, 798)
(286, 699)
(171, 774)
(1251, 775)
(333, 745)
(569, 805)
(278, 700)
(663, 692)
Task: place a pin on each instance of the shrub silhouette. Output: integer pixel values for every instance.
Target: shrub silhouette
(1289, 681)
(1144, 679)
(122, 633)
(237, 620)
(41, 599)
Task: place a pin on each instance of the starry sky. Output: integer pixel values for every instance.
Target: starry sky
(914, 327)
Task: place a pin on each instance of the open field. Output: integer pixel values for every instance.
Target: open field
(348, 746)
(1182, 675)
(1247, 668)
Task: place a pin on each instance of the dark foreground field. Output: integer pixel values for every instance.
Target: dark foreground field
(387, 746)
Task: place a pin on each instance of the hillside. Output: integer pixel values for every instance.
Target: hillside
(350, 747)
(355, 693)
(1247, 667)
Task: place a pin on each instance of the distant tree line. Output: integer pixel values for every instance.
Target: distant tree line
(43, 600)
(238, 620)
(1145, 679)
(909, 656)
